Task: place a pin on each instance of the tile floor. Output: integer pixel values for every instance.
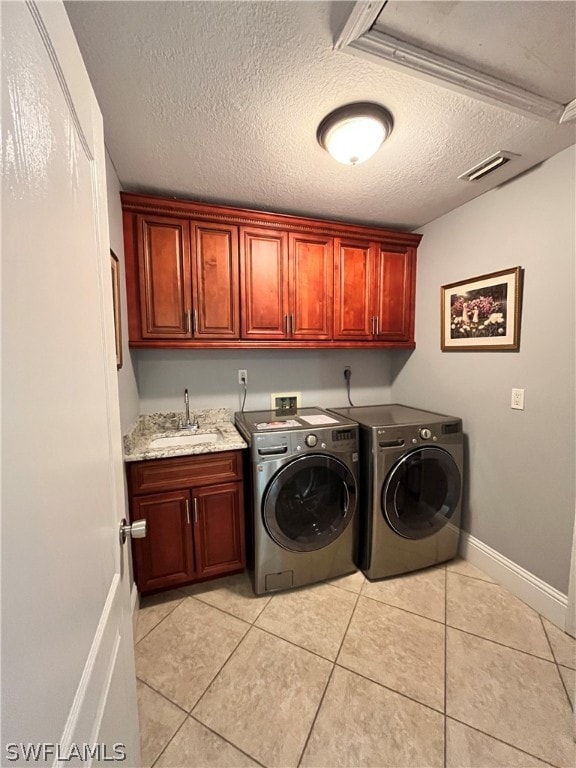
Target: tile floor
(437, 668)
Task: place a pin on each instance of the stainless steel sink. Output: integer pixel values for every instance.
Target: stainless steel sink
(179, 441)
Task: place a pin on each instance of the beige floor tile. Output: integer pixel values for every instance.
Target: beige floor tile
(492, 612)
(154, 608)
(181, 655)
(265, 699)
(313, 617)
(232, 594)
(402, 651)
(352, 582)
(459, 565)
(563, 645)
(569, 678)
(194, 746)
(421, 592)
(159, 721)
(467, 748)
(362, 724)
(510, 695)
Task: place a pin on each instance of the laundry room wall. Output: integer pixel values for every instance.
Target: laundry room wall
(520, 496)
(211, 377)
(127, 386)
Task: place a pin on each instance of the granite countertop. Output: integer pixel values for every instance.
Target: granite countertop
(161, 425)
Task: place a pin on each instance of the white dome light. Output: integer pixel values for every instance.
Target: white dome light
(352, 134)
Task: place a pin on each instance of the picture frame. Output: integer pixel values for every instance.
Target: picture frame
(482, 313)
(115, 265)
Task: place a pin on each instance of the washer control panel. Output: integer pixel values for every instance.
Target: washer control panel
(272, 446)
(339, 440)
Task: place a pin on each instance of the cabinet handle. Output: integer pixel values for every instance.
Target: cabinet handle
(188, 321)
(188, 511)
(373, 326)
(195, 511)
(287, 324)
(292, 324)
(195, 321)
(377, 325)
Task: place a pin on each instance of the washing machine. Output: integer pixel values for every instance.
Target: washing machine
(303, 496)
(412, 474)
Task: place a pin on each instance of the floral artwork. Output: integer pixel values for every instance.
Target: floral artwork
(482, 313)
(478, 315)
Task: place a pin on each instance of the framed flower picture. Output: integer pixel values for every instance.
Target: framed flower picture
(482, 313)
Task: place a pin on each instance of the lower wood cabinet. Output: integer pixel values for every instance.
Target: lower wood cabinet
(195, 519)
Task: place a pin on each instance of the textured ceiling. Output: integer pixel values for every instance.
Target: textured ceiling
(220, 102)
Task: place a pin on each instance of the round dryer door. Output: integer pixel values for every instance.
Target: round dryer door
(309, 503)
(421, 493)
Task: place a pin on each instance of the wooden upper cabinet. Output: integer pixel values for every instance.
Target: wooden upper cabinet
(264, 280)
(164, 272)
(353, 277)
(216, 310)
(394, 299)
(187, 279)
(374, 292)
(200, 275)
(310, 286)
(286, 285)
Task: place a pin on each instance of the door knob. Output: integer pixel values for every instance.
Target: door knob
(137, 530)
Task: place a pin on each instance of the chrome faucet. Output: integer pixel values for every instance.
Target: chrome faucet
(187, 424)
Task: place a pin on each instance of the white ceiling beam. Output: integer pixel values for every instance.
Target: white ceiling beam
(357, 36)
(569, 113)
(361, 18)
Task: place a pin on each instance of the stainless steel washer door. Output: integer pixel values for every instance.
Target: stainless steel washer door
(309, 503)
(421, 492)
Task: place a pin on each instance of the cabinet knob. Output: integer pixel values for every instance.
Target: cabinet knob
(137, 530)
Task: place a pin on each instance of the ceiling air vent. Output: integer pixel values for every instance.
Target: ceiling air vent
(487, 166)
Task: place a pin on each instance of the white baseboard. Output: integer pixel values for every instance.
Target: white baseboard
(547, 600)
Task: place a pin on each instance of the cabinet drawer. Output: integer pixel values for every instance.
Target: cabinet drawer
(184, 471)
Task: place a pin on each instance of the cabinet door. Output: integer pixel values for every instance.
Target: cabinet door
(264, 276)
(219, 529)
(165, 557)
(164, 277)
(310, 286)
(395, 296)
(353, 276)
(216, 313)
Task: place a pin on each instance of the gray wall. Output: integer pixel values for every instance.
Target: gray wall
(521, 463)
(211, 377)
(127, 386)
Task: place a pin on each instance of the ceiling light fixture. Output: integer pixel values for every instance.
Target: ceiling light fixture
(353, 133)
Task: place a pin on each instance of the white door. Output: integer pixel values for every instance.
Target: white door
(68, 680)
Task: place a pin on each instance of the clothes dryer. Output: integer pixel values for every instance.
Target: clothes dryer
(412, 474)
(302, 521)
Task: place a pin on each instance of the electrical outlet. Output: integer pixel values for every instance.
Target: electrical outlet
(347, 372)
(517, 399)
(242, 376)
